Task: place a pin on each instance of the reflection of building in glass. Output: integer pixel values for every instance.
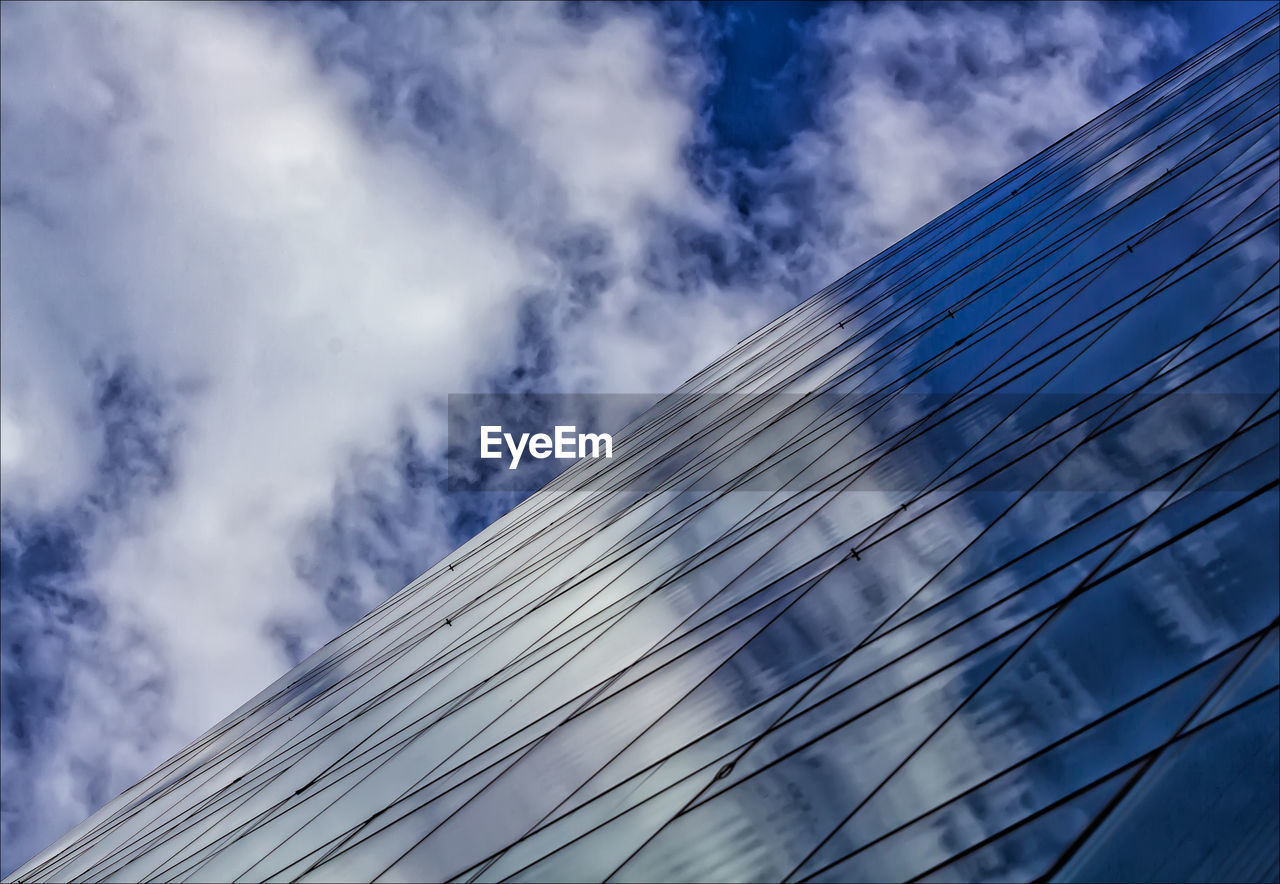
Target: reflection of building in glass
(965, 568)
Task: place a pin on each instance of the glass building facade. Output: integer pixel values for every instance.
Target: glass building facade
(963, 569)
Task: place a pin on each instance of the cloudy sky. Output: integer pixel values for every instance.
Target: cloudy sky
(248, 250)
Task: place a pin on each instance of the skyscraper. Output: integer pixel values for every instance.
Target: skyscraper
(966, 567)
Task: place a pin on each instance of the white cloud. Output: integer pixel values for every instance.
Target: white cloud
(928, 106)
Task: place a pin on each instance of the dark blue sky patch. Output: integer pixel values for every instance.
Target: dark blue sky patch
(683, 258)
(770, 78)
(138, 435)
(588, 262)
(39, 603)
(535, 341)
(418, 470)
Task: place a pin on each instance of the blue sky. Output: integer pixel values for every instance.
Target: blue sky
(247, 252)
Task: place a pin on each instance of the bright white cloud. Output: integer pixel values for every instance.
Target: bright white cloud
(927, 107)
